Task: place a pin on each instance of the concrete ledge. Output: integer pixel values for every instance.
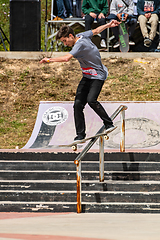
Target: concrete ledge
(40, 55)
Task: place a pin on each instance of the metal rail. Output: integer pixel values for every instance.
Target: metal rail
(78, 159)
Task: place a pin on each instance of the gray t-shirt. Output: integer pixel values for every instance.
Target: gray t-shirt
(86, 52)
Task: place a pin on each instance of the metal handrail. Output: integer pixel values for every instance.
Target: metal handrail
(121, 109)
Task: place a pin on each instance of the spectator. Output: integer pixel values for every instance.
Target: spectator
(96, 10)
(77, 12)
(158, 47)
(63, 5)
(116, 9)
(135, 8)
(148, 12)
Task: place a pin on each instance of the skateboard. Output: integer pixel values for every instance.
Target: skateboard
(123, 38)
(73, 145)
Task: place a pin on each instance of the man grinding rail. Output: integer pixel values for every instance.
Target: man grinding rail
(94, 73)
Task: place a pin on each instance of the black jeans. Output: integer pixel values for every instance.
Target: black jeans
(87, 92)
(101, 21)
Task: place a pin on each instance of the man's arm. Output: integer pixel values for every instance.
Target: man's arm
(113, 23)
(64, 58)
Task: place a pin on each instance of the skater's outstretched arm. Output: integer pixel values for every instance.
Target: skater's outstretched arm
(113, 23)
(64, 58)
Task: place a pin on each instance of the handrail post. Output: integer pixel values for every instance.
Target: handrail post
(79, 210)
(101, 159)
(122, 143)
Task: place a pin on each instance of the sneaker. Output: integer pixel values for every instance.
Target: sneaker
(147, 42)
(57, 19)
(103, 43)
(79, 137)
(71, 16)
(131, 43)
(116, 44)
(109, 126)
(158, 47)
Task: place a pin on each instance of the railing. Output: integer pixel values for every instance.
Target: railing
(78, 159)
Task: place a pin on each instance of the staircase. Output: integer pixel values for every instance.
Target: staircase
(46, 182)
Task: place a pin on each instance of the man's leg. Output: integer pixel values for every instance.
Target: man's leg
(143, 25)
(88, 22)
(79, 104)
(78, 8)
(115, 30)
(102, 21)
(95, 89)
(154, 22)
(60, 8)
(132, 25)
(68, 7)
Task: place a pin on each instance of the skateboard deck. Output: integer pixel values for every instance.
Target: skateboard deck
(123, 38)
(73, 145)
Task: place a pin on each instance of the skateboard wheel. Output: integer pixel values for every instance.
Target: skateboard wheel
(74, 147)
(106, 137)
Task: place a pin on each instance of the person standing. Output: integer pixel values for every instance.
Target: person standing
(94, 73)
(148, 12)
(96, 10)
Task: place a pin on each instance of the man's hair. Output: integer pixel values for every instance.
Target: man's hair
(64, 31)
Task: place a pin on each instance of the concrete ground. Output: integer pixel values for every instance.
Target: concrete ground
(40, 55)
(73, 226)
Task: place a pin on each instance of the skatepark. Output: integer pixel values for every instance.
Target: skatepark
(34, 219)
(107, 189)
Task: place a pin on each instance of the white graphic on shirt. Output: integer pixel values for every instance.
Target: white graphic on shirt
(89, 71)
(148, 6)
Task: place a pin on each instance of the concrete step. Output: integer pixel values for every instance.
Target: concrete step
(87, 196)
(61, 185)
(70, 156)
(86, 175)
(86, 166)
(47, 182)
(86, 207)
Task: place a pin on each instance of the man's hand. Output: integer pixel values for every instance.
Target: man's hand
(114, 23)
(125, 17)
(93, 15)
(45, 60)
(147, 15)
(119, 15)
(101, 15)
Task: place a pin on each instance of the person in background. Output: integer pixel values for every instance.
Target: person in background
(148, 12)
(158, 47)
(63, 5)
(96, 10)
(118, 7)
(135, 8)
(77, 4)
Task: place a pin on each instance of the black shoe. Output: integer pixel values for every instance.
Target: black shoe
(109, 126)
(79, 137)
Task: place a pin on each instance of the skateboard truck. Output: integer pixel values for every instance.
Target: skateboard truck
(74, 146)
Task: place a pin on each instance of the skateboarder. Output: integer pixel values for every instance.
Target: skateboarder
(94, 73)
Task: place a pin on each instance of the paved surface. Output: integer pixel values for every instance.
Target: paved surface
(73, 226)
(40, 55)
